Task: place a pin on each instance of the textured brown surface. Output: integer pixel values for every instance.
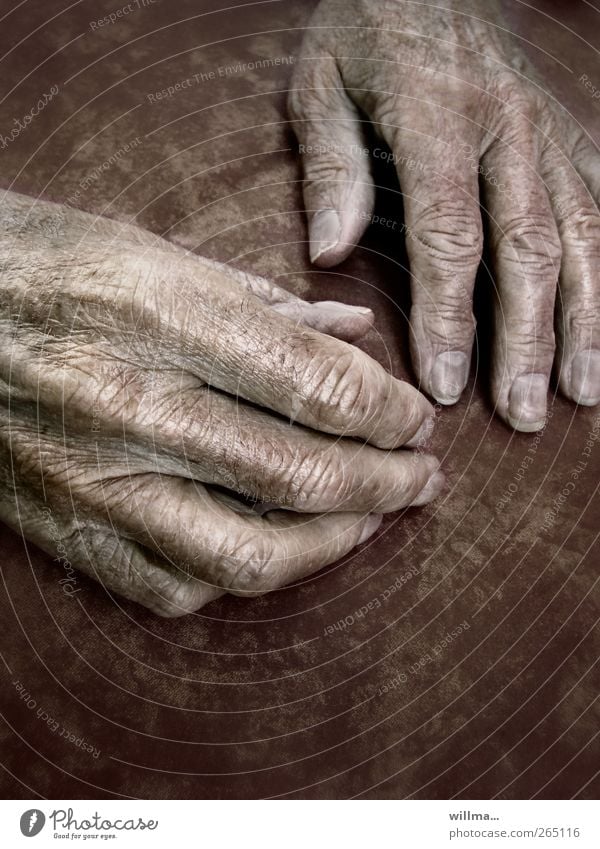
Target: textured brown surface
(254, 699)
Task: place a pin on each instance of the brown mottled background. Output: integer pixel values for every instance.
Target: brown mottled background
(251, 699)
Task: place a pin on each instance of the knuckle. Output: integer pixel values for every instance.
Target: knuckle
(582, 321)
(334, 388)
(532, 340)
(297, 100)
(20, 443)
(314, 87)
(120, 396)
(318, 481)
(324, 168)
(128, 570)
(248, 568)
(308, 101)
(531, 241)
(41, 460)
(413, 478)
(173, 598)
(450, 233)
(583, 226)
(452, 304)
(384, 109)
(583, 151)
(513, 89)
(446, 322)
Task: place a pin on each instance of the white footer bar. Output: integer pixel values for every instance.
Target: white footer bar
(301, 824)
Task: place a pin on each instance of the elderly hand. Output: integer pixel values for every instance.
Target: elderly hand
(138, 382)
(467, 125)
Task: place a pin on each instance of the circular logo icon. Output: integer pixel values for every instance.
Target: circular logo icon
(32, 822)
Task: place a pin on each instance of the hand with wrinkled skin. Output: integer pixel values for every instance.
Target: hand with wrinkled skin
(136, 377)
(470, 131)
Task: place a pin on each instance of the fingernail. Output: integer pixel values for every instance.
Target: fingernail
(585, 378)
(431, 490)
(324, 232)
(449, 376)
(360, 310)
(527, 402)
(423, 435)
(372, 524)
(337, 308)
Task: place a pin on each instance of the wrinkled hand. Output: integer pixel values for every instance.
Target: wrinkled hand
(468, 129)
(135, 378)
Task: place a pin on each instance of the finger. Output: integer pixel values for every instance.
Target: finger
(578, 306)
(585, 157)
(120, 565)
(207, 436)
(444, 242)
(200, 324)
(181, 428)
(248, 350)
(339, 195)
(170, 409)
(130, 570)
(235, 552)
(345, 321)
(341, 320)
(526, 252)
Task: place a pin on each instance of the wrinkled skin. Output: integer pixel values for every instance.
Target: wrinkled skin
(471, 131)
(142, 387)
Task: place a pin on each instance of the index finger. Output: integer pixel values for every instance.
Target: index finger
(235, 343)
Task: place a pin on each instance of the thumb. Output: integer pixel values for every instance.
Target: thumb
(344, 321)
(339, 194)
